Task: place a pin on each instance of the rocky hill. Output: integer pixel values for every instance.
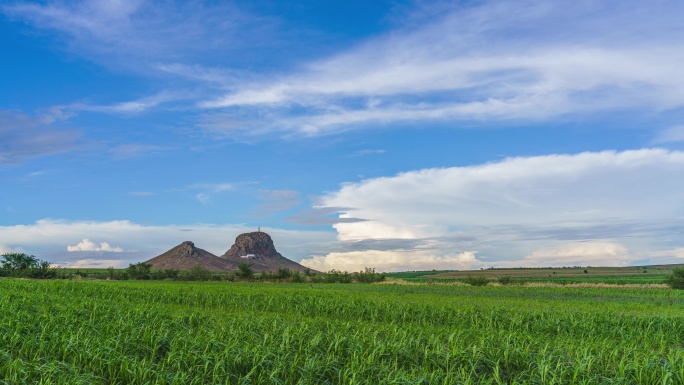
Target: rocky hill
(185, 256)
(257, 249)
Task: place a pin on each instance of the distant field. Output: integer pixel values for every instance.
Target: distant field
(610, 275)
(109, 332)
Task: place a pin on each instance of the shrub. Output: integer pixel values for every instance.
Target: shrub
(140, 271)
(297, 277)
(245, 270)
(477, 280)
(198, 273)
(283, 273)
(676, 279)
(506, 280)
(369, 275)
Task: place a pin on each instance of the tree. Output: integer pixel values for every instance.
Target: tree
(199, 273)
(140, 270)
(245, 270)
(19, 261)
(676, 279)
(24, 265)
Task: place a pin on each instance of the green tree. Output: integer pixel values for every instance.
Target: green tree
(24, 265)
(199, 273)
(676, 279)
(140, 270)
(245, 270)
(368, 275)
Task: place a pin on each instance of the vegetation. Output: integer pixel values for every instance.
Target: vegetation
(110, 332)
(245, 270)
(24, 265)
(477, 280)
(676, 280)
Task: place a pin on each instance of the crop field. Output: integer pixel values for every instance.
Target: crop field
(107, 332)
(561, 276)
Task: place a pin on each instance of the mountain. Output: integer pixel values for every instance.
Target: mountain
(257, 249)
(185, 256)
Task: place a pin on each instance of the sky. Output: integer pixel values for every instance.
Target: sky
(397, 135)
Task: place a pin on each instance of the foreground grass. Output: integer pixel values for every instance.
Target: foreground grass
(66, 332)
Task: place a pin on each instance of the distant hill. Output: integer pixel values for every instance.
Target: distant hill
(256, 249)
(185, 256)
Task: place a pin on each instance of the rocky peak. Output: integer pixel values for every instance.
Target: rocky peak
(258, 243)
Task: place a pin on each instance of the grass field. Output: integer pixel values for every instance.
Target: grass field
(98, 332)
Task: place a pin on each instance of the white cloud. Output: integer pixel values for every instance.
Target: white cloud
(209, 190)
(141, 34)
(672, 134)
(522, 60)
(97, 263)
(585, 209)
(87, 245)
(406, 260)
(46, 239)
(578, 254)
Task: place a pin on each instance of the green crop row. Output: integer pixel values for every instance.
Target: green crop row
(90, 332)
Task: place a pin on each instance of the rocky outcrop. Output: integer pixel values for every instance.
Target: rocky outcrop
(257, 249)
(186, 256)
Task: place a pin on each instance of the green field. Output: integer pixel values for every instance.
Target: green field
(99, 332)
(562, 276)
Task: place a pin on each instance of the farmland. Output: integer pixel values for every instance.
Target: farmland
(100, 332)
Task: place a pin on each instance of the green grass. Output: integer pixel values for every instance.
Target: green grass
(95, 332)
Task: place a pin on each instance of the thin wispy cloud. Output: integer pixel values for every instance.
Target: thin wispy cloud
(273, 201)
(137, 35)
(524, 60)
(27, 136)
(367, 152)
(133, 150)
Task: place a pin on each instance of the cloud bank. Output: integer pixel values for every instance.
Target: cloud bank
(45, 236)
(593, 208)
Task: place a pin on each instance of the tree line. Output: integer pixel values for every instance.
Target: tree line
(22, 265)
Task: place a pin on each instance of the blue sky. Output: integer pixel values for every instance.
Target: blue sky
(401, 135)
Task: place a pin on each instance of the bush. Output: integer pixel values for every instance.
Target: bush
(676, 280)
(140, 271)
(477, 280)
(283, 273)
(333, 276)
(297, 277)
(506, 280)
(369, 275)
(245, 270)
(198, 273)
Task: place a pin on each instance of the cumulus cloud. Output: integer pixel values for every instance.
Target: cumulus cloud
(393, 261)
(87, 245)
(587, 208)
